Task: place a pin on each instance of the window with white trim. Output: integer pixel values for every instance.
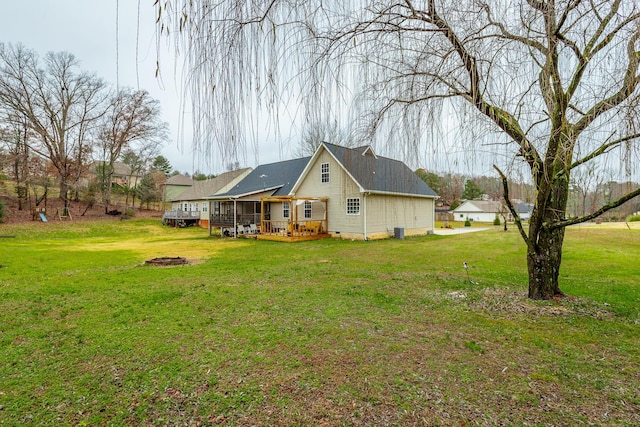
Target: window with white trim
(286, 209)
(307, 209)
(186, 207)
(353, 206)
(196, 206)
(324, 172)
(205, 207)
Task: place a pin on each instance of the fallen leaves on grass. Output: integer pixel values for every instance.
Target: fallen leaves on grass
(508, 301)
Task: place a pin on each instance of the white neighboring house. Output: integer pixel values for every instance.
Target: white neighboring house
(486, 211)
(479, 211)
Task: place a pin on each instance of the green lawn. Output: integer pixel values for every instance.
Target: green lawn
(328, 332)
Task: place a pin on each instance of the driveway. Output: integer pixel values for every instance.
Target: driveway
(450, 231)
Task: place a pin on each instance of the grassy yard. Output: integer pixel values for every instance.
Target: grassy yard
(317, 333)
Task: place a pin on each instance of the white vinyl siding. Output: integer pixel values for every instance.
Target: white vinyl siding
(384, 213)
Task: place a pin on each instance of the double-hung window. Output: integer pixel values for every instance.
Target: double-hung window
(307, 209)
(286, 209)
(324, 172)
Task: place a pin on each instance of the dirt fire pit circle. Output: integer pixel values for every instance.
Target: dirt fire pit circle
(165, 261)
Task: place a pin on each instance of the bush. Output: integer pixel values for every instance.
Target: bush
(130, 212)
(1, 210)
(467, 223)
(496, 220)
(633, 218)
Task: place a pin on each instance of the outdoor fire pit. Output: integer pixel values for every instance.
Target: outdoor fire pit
(166, 261)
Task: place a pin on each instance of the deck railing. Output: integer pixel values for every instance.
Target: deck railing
(180, 215)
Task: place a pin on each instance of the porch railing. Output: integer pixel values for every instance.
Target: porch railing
(227, 220)
(294, 229)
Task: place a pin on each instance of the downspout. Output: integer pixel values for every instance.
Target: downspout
(364, 203)
(433, 216)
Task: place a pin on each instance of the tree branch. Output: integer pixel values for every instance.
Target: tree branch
(500, 117)
(603, 149)
(507, 200)
(506, 34)
(603, 209)
(630, 82)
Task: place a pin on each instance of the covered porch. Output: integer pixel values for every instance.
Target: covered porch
(235, 218)
(302, 222)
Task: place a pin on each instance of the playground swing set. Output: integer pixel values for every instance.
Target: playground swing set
(41, 213)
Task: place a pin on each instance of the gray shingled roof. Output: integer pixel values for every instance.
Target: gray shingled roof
(379, 174)
(523, 207)
(487, 206)
(201, 189)
(179, 180)
(280, 176)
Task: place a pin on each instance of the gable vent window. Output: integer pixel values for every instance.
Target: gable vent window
(353, 206)
(324, 169)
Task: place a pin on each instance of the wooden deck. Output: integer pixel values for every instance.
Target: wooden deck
(291, 239)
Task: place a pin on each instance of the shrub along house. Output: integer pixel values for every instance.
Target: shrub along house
(338, 192)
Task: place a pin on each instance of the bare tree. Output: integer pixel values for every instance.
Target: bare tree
(139, 157)
(554, 82)
(15, 137)
(584, 181)
(131, 116)
(58, 103)
(315, 134)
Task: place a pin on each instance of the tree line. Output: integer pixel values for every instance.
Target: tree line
(588, 191)
(58, 120)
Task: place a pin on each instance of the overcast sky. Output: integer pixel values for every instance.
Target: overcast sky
(87, 29)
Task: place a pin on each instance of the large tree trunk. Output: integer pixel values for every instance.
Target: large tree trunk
(544, 248)
(64, 192)
(543, 261)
